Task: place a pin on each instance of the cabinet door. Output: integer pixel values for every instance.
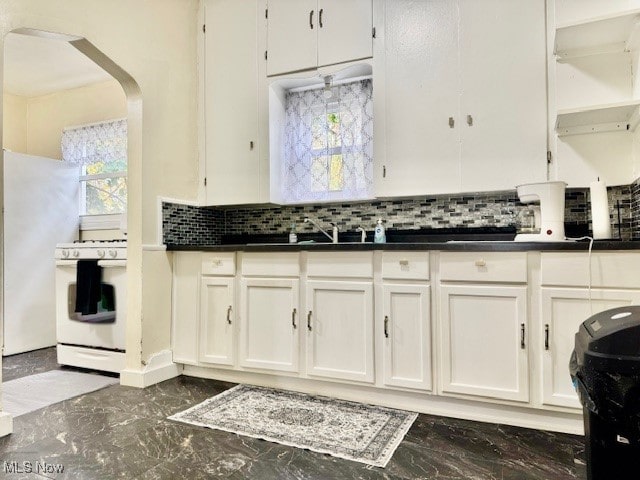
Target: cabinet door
(216, 320)
(345, 31)
(416, 92)
(340, 330)
(503, 74)
(268, 324)
(405, 328)
(563, 310)
(231, 102)
(292, 40)
(484, 344)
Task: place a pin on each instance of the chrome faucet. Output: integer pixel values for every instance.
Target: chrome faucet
(333, 238)
(363, 237)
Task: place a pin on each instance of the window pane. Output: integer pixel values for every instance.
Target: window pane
(119, 165)
(107, 195)
(328, 146)
(318, 138)
(333, 130)
(336, 173)
(319, 174)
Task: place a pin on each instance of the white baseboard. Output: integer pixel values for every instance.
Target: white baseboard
(6, 424)
(519, 416)
(159, 368)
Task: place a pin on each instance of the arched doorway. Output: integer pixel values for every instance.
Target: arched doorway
(132, 110)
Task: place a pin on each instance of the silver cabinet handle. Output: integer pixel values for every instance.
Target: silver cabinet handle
(481, 262)
(293, 318)
(311, 19)
(470, 120)
(386, 326)
(452, 122)
(251, 145)
(320, 17)
(309, 320)
(522, 335)
(229, 315)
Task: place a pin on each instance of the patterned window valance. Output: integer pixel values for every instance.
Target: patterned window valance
(105, 141)
(328, 144)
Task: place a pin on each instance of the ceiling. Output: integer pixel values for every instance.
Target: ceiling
(35, 66)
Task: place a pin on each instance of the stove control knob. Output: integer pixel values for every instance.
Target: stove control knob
(100, 253)
(113, 253)
(65, 253)
(76, 253)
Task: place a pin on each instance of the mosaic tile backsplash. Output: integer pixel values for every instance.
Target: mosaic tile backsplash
(190, 225)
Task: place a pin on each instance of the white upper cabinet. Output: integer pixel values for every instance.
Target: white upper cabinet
(416, 96)
(503, 96)
(305, 34)
(292, 39)
(232, 169)
(345, 32)
(460, 95)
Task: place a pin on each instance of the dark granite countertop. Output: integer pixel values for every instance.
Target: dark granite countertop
(487, 239)
(457, 246)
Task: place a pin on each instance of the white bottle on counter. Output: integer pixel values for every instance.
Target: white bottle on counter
(379, 235)
(293, 236)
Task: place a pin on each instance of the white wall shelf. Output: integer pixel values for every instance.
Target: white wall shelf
(605, 34)
(621, 116)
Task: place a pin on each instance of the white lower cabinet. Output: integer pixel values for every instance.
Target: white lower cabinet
(217, 322)
(404, 327)
(339, 325)
(563, 310)
(269, 323)
(313, 315)
(484, 341)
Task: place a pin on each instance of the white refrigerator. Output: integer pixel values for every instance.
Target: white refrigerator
(40, 210)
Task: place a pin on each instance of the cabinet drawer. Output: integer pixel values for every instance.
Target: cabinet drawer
(617, 269)
(405, 265)
(484, 266)
(340, 264)
(271, 264)
(223, 263)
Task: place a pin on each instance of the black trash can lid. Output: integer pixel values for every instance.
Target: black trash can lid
(615, 332)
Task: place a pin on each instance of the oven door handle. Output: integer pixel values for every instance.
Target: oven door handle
(112, 263)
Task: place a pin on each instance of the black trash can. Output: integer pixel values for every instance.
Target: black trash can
(605, 368)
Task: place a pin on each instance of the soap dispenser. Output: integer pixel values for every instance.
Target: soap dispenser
(379, 235)
(293, 236)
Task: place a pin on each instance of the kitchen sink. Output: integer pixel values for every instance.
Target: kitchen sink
(303, 244)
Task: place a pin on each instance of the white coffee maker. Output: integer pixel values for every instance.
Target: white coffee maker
(546, 200)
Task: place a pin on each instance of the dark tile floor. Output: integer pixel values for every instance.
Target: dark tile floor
(122, 432)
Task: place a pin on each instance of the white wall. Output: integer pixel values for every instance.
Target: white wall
(154, 41)
(48, 115)
(14, 135)
(34, 125)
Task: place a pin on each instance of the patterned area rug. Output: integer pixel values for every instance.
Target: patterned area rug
(348, 430)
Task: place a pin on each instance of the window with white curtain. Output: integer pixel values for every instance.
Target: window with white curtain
(328, 143)
(100, 150)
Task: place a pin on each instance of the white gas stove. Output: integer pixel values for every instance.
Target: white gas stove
(91, 330)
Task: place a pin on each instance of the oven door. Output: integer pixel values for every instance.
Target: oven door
(103, 330)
